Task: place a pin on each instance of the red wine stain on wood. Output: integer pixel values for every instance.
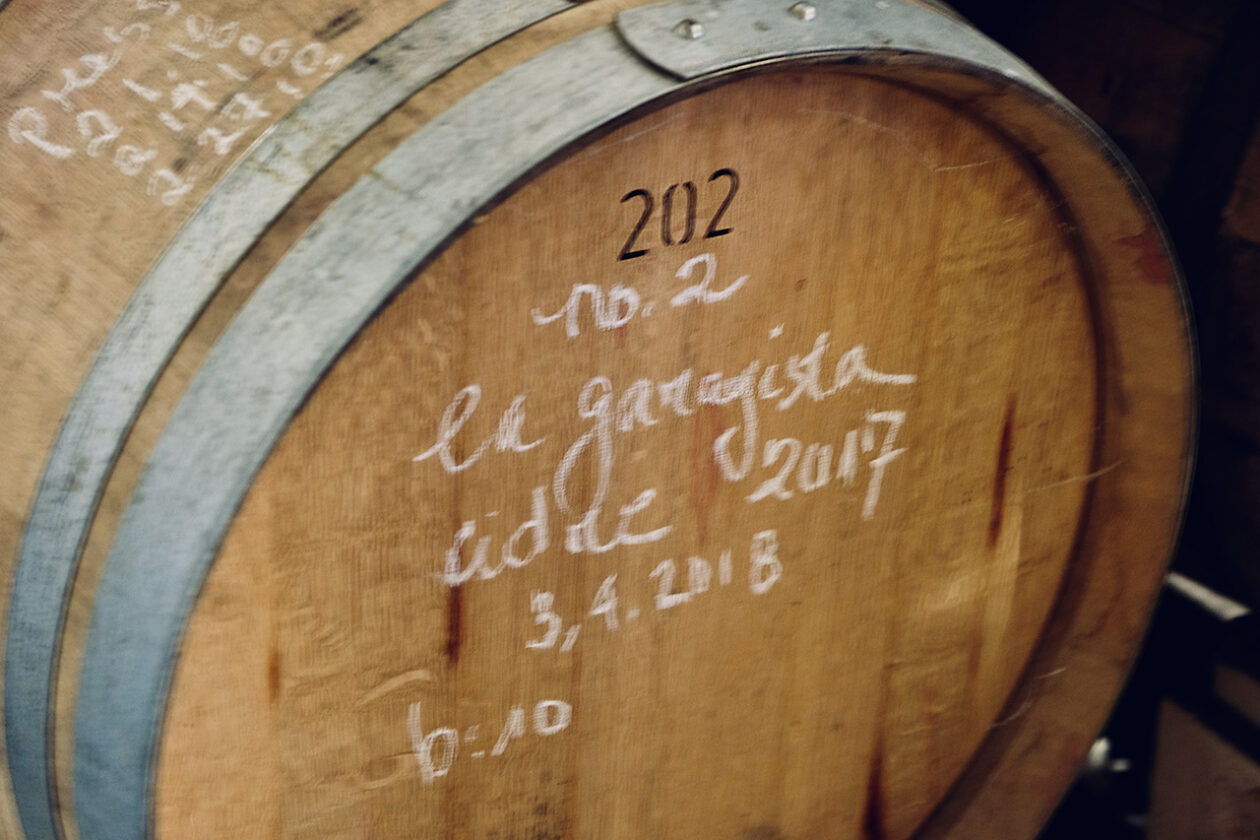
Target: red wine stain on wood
(273, 675)
(873, 813)
(1152, 260)
(454, 625)
(999, 474)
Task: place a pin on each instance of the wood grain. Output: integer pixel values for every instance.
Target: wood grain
(937, 667)
(323, 189)
(77, 232)
(888, 643)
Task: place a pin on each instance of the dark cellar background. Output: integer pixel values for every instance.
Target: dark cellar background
(1176, 84)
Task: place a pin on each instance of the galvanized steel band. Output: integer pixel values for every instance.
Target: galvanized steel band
(154, 322)
(319, 296)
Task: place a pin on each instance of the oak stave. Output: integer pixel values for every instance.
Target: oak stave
(1107, 239)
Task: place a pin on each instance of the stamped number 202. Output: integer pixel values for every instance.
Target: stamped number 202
(678, 212)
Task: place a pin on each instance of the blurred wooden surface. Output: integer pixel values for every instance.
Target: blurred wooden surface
(1205, 787)
(1177, 85)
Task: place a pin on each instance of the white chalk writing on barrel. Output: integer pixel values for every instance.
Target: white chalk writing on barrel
(564, 517)
(196, 93)
(642, 407)
(675, 582)
(437, 750)
(619, 305)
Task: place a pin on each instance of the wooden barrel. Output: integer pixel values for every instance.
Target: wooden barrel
(697, 419)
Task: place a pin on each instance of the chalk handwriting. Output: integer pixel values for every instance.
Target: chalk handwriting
(437, 750)
(29, 125)
(506, 439)
(187, 95)
(809, 468)
(644, 404)
(764, 571)
(96, 65)
(618, 306)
